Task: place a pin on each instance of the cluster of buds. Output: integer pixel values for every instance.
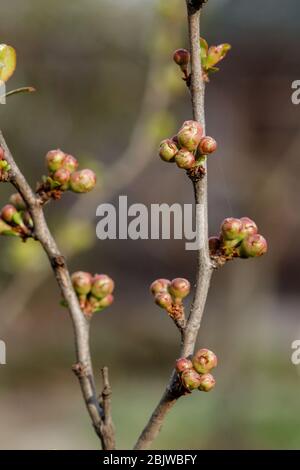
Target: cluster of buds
(238, 238)
(94, 292)
(210, 57)
(188, 148)
(4, 167)
(194, 373)
(63, 176)
(15, 218)
(169, 295)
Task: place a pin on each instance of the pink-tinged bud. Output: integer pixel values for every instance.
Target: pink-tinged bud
(183, 364)
(232, 228)
(204, 360)
(214, 244)
(106, 301)
(180, 288)
(160, 285)
(54, 159)
(189, 135)
(82, 181)
(70, 163)
(181, 57)
(1, 153)
(249, 226)
(190, 379)
(163, 300)
(6, 229)
(82, 282)
(254, 245)
(8, 212)
(207, 145)
(102, 286)
(168, 150)
(62, 176)
(185, 159)
(207, 383)
(17, 201)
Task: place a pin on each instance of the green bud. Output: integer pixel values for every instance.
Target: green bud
(8, 212)
(163, 300)
(160, 285)
(17, 201)
(6, 229)
(179, 288)
(82, 181)
(207, 383)
(168, 150)
(190, 379)
(185, 159)
(102, 286)
(82, 282)
(106, 301)
(249, 226)
(254, 245)
(189, 135)
(204, 360)
(54, 159)
(207, 145)
(70, 163)
(232, 229)
(183, 364)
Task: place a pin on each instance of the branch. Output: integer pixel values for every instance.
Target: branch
(83, 368)
(173, 390)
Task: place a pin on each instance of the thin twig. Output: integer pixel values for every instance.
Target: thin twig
(83, 367)
(107, 426)
(173, 390)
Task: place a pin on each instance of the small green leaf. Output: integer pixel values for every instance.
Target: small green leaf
(216, 54)
(204, 48)
(8, 61)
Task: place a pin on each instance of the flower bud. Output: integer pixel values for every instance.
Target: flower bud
(207, 145)
(190, 379)
(183, 364)
(179, 288)
(6, 229)
(181, 57)
(168, 150)
(185, 159)
(106, 301)
(189, 135)
(82, 181)
(62, 176)
(17, 201)
(232, 228)
(249, 226)
(102, 286)
(1, 153)
(70, 163)
(207, 383)
(204, 360)
(160, 285)
(163, 300)
(8, 212)
(82, 282)
(254, 245)
(54, 159)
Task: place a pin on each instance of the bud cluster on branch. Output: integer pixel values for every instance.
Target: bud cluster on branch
(4, 167)
(64, 176)
(15, 218)
(94, 292)
(194, 373)
(169, 295)
(239, 238)
(188, 148)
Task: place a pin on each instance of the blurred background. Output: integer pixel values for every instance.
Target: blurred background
(108, 92)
